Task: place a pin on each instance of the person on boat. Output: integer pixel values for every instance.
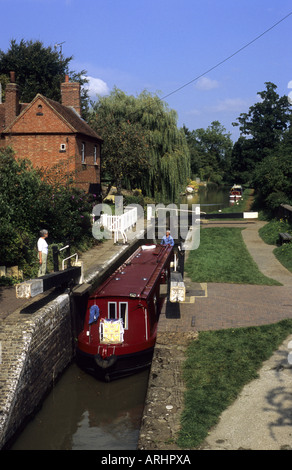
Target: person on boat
(42, 252)
(167, 239)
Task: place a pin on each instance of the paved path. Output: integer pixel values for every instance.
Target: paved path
(261, 417)
(94, 260)
(263, 255)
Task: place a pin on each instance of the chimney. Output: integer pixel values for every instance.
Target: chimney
(12, 107)
(70, 93)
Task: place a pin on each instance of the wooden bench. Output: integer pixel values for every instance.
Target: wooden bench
(285, 237)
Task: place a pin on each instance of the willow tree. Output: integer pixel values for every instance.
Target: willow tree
(124, 151)
(166, 165)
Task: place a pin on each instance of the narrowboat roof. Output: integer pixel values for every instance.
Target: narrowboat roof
(136, 277)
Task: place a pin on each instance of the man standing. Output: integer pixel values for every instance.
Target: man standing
(42, 252)
(167, 239)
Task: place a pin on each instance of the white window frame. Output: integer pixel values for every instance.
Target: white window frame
(95, 155)
(108, 311)
(126, 313)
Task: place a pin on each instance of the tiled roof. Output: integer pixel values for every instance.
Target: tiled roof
(67, 113)
(71, 116)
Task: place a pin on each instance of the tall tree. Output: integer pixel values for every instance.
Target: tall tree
(124, 152)
(262, 154)
(272, 176)
(165, 165)
(210, 152)
(265, 122)
(39, 69)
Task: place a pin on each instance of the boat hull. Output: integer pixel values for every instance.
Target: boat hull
(115, 366)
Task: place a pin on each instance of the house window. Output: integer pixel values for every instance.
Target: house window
(123, 313)
(112, 310)
(95, 155)
(83, 152)
(40, 110)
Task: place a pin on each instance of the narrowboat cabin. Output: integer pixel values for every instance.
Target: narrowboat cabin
(122, 315)
(235, 192)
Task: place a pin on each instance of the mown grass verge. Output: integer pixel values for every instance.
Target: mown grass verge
(223, 257)
(218, 365)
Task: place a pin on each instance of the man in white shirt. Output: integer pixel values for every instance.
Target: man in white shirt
(42, 252)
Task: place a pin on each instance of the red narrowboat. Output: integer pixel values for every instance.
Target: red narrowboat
(122, 315)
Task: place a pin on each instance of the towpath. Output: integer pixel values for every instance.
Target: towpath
(94, 260)
(261, 417)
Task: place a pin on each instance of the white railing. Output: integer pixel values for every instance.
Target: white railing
(119, 224)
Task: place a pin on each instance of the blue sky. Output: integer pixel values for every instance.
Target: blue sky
(160, 45)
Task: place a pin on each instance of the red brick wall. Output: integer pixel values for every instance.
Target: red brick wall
(38, 135)
(87, 172)
(11, 103)
(44, 150)
(40, 118)
(70, 93)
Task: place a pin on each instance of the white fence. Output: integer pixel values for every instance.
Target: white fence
(119, 224)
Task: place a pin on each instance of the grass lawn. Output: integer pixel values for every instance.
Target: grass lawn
(223, 257)
(218, 365)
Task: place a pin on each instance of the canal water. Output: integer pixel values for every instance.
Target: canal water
(81, 413)
(211, 199)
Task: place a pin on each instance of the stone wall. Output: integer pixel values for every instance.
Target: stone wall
(35, 349)
(164, 402)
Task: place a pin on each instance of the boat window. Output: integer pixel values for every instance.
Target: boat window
(112, 310)
(124, 313)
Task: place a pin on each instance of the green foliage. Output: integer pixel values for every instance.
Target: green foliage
(283, 254)
(262, 154)
(265, 121)
(270, 231)
(28, 204)
(273, 178)
(142, 145)
(270, 234)
(124, 147)
(8, 281)
(210, 151)
(39, 69)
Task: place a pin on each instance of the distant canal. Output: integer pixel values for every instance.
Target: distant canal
(210, 200)
(81, 413)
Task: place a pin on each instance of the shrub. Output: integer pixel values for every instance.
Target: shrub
(28, 203)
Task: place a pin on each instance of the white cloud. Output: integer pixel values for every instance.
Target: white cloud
(230, 104)
(96, 86)
(205, 84)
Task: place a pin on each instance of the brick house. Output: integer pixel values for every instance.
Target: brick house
(52, 135)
